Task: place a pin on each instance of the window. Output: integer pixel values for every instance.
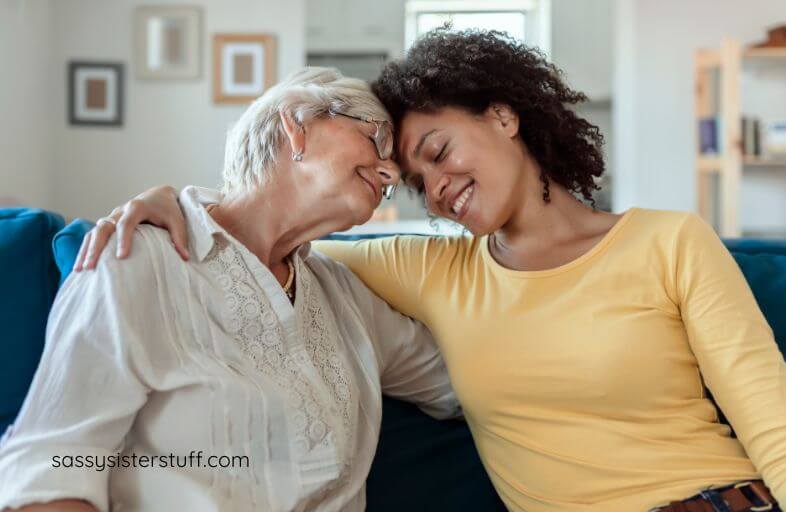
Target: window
(525, 20)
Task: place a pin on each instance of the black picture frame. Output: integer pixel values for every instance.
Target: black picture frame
(115, 67)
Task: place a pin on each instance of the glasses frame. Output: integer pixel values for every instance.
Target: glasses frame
(387, 190)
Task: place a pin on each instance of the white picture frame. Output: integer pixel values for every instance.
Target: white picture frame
(244, 67)
(168, 42)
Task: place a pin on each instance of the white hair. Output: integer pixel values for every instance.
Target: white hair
(253, 143)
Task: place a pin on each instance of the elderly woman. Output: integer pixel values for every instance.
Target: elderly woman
(250, 376)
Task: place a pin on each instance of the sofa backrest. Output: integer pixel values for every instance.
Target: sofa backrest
(763, 262)
(28, 280)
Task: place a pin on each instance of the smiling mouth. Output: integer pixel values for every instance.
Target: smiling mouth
(461, 204)
(374, 191)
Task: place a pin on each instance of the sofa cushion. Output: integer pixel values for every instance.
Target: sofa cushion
(426, 464)
(766, 275)
(29, 280)
(756, 246)
(66, 245)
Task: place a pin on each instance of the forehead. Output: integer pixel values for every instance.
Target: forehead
(416, 124)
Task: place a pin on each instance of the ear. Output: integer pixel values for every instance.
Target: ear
(296, 134)
(505, 117)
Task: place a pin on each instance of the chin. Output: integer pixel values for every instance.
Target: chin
(482, 227)
(360, 212)
(479, 231)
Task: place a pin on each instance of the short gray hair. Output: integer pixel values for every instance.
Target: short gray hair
(253, 142)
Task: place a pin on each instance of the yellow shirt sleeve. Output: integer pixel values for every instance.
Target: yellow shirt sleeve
(735, 347)
(393, 267)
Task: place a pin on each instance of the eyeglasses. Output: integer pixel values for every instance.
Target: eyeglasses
(383, 141)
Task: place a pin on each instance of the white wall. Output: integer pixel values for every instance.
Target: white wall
(355, 25)
(582, 35)
(654, 124)
(582, 39)
(25, 104)
(172, 133)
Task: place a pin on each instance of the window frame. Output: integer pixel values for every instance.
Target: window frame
(537, 16)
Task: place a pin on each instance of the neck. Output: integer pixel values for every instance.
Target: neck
(274, 219)
(536, 222)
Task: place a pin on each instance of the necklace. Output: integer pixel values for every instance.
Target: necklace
(288, 289)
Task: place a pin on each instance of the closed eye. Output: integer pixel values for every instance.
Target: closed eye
(441, 155)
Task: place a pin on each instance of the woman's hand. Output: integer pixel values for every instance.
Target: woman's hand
(157, 206)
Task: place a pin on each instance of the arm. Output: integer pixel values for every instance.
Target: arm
(395, 268)
(411, 366)
(737, 354)
(86, 391)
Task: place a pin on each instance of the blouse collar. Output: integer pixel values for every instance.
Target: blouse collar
(202, 227)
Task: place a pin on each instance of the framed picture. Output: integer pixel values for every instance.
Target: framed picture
(168, 42)
(95, 93)
(244, 66)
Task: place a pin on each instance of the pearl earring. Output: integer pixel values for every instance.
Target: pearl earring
(297, 157)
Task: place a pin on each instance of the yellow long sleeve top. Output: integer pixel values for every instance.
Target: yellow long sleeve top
(584, 385)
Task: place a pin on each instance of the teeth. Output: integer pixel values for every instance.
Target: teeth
(462, 199)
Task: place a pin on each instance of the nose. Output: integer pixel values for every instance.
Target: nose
(389, 172)
(440, 189)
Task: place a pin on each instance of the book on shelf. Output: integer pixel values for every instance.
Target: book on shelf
(758, 140)
(709, 136)
(751, 136)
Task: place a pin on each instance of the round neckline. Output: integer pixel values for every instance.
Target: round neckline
(532, 274)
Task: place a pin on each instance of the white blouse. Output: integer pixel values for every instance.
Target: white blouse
(159, 360)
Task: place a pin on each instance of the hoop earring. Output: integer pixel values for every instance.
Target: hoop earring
(297, 157)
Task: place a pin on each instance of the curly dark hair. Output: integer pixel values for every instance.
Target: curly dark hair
(475, 68)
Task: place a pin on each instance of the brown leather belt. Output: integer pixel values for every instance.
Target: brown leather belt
(742, 497)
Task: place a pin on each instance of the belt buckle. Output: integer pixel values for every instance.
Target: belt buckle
(762, 508)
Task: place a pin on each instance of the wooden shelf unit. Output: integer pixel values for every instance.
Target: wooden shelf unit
(728, 166)
(758, 161)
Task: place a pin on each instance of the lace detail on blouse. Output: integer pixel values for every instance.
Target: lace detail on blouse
(254, 325)
(322, 350)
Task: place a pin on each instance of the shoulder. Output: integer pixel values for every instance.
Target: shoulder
(676, 237)
(663, 219)
(151, 248)
(669, 225)
(320, 263)
(148, 260)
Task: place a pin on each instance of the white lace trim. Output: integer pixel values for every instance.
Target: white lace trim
(256, 328)
(321, 347)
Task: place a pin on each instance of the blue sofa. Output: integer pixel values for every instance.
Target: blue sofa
(421, 463)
